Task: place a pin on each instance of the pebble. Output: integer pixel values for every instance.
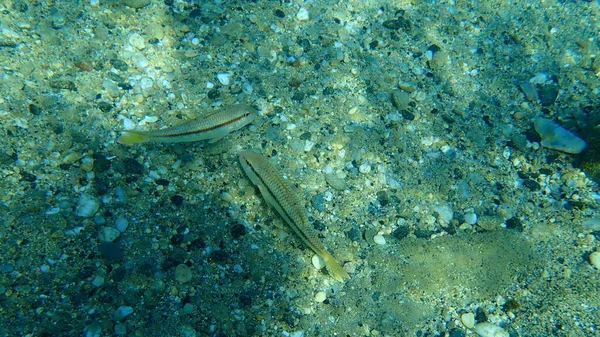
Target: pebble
(445, 214)
(137, 41)
(490, 330)
(183, 273)
(318, 262)
(108, 234)
(595, 259)
(87, 206)
(470, 218)
(379, 239)
(556, 137)
(365, 168)
(122, 312)
(335, 182)
(468, 320)
(139, 60)
(224, 78)
(121, 224)
(302, 14)
(227, 197)
(98, 281)
(320, 297)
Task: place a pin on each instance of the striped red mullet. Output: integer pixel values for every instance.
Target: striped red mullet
(212, 126)
(279, 195)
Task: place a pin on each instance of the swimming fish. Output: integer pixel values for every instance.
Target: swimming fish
(279, 195)
(212, 126)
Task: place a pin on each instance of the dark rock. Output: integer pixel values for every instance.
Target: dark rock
(383, 198)
(162, 182)
(328, 91)
(218, 256)
(353, 234)
(400, 232)
(101, 163)
(318, 202)
(532, 185)
(111, 250)
(409, 116)
(195, 13)
(34, 109)
(105, 106)
(177, 200)
(514, 223)
(214, 94)
(395, 24)
(305, 136)
(177, 239)
(132, 166)
(298, 96)
(279, 13)
(547, 94)
(455, 332)
(28, 177)
(423, 234)
(237, 230)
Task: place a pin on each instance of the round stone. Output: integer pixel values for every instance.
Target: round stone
(320, 297)
(379, 239)
(318, 262)
(595, 259)
(183, 273)
(468, 320)
(302, 14)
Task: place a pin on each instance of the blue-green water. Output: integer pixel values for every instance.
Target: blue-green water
(405, 127)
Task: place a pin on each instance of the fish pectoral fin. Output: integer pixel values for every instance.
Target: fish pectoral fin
(219, 136)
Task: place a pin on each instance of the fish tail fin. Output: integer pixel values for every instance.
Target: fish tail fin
(132, 137)
(334, 268)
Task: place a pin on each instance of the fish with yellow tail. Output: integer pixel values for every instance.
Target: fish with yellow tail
(212, 127)
(279, 195)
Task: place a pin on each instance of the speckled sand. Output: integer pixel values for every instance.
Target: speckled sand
(405, 126)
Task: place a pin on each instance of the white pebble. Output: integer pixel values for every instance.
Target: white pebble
(595, 259)
(224, 78)
(238, 269)
(87, 206)
(490, 330)
(195, 41)
(137, 41)
(247, 88)
(320, 297)
(139, 60)
(379, 239)
(470, 218)
(210, 85)
(308, 145)
(445, 213)
(146, 83)
(318, 262)
(468, 320)
(365, 168)
(302, 14)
